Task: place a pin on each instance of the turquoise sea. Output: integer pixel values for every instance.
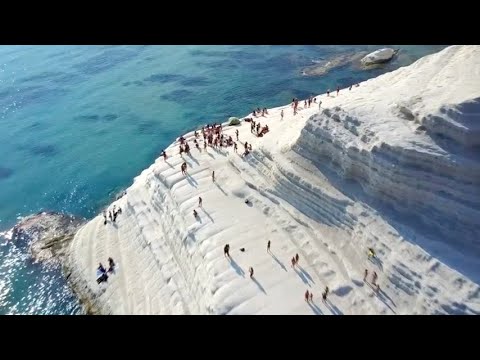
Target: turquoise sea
(78, 123)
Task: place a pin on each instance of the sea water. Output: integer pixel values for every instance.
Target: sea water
(78, 123)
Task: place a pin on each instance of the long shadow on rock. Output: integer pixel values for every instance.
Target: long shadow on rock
(221, 189)
(278, 262)
(259, 285)
(236, 267)
(315, 308)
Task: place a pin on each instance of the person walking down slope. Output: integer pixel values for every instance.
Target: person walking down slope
(213, 176)
(195, 214)
(226, 250)
(307, 296)
(311, 297)
(199, 201)
(281, 115)
(374, 278)
(251, 272)
(268, 246)
(296, 258)
(293, 262)
(365, 275)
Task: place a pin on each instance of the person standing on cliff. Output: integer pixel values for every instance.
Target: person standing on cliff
(226, 250)
(281, 115)
(236, 133)
(111, 265)
(338, 90)
(104, 217)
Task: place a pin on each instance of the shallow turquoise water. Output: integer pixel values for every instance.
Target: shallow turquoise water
(78, 123)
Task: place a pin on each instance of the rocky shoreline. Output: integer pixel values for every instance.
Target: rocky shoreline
(47, 236)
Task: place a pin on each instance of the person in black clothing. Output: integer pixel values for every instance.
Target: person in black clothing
(226, 250)
(268, 246)
(111, 265)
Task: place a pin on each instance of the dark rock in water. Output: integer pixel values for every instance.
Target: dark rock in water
(110, 117)
(5, 172)
(324, 67)
(44, 150)
(87, 117)
(46, 234)
(164, 78)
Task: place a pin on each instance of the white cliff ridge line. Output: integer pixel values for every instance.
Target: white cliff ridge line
(380, 134)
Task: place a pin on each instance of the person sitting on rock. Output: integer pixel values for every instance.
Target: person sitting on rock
(101, 274)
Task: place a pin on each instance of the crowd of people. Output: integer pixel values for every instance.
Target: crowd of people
(214, 137)
(112, 214)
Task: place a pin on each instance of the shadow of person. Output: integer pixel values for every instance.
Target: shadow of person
(306, 274)
(191, 180)
(302, 276)
(376, 261)
(278, 261)
(316, 310)
(206, 213)
(195, 160)
(335, 310)
(211, 155)
(259, 285)
(236, 267)
(220, 188)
